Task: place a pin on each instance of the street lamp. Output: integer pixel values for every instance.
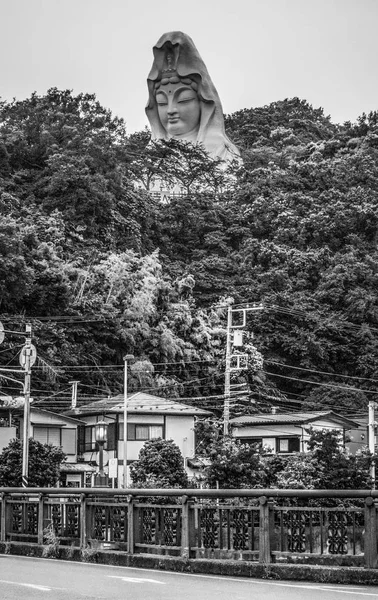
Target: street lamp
(125, 359)
(101, 436)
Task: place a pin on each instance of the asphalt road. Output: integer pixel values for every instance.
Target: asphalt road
(23, 578)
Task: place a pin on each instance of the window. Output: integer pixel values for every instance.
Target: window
(269, 444)
(156, 431)
(90, 439)
(251, 441)
(57, 436)
(288, 444)
(141, 432)
(69, 440)
(48, 435)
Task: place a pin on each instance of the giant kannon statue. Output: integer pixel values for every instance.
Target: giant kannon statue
(183, 103)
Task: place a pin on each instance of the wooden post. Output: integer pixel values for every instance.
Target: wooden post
(130, 524)
(185, 527)
(41, 506)
(3, 519)
(370, 534)
(83, 521)
(264, 551)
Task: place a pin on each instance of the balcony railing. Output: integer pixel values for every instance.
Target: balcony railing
(255, 525)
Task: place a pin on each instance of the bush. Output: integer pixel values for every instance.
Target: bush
(161, 462)
(44, 464)
(234, 465)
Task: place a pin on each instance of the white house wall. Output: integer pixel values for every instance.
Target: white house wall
(6, 435)
(181, 430)
(147, 419)
(273, 430)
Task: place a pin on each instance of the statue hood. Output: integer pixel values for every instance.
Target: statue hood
(188, 63)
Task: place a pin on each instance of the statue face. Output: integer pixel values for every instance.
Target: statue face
(179, 109)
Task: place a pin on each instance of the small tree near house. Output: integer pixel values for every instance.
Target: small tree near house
(161, 462)
(44, 464)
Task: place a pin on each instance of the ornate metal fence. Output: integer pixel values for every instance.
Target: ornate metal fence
(255, 525)
(320, 531)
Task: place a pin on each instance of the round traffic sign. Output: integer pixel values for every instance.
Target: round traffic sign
(33, 355)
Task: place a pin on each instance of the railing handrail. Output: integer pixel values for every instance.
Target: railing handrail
(191, 492)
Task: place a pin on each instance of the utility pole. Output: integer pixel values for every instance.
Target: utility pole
(226, 410)
(371, 430)
(125, 359)
(26, 360)
(229, 345)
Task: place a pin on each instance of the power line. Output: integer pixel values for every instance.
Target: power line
(341, 387)
(272, 362)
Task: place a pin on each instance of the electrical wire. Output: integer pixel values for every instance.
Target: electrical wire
(272, 362)
(341, 387)
(301, 313)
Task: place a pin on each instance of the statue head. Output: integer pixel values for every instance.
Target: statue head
(179, 108)
(183, 102)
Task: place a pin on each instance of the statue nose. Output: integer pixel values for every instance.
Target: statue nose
(172, 108)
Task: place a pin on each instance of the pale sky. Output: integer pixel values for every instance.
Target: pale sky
(256, 51)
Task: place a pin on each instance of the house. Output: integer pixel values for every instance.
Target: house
(287, 433)
(148, 417)
(59, 430)
(9, 423)
(358, 437)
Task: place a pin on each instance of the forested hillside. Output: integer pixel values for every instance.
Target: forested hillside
(101, 267)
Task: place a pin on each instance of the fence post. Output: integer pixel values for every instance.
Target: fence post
(264, 537)
(185, 527)
(41, 504)
(3, 519)
(83, 521)
(130, 525)
(370, 534)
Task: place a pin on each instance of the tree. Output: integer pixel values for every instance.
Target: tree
(234, 465)
(325, 466)
(161, 461)
(337, 469)
(338, 400)
(296, 228)
(44, 463)
(207, 432)
(300, 472)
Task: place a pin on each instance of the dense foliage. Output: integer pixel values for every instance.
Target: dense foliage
(44, 464)
(101, 267)
(326, 465)
(160, 465)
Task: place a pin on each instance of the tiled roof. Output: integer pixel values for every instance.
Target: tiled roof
(300, 417)
(140, 402)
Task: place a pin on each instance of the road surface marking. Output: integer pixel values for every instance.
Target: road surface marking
(136, 579)
(42, 588)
